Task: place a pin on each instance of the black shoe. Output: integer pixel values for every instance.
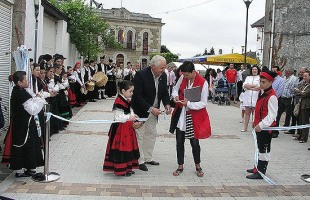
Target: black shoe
(21, 175)
(275, 135)
(30, 172)
(103, 97)
(152, 163)
(254, 176)
(289, 132)
(143, 167)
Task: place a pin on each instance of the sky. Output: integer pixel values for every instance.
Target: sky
(201, 25)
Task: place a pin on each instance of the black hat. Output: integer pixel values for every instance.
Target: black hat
(110, 60)
(102, 57)
(47, 57)
(59, 56)
(86, 61)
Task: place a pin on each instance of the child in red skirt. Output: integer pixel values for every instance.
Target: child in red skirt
(122, 151)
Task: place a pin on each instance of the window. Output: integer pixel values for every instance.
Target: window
(129, 39)
(121, 36)
(145, 43)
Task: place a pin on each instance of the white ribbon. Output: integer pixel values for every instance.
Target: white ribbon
(49, 115)
(284, 128)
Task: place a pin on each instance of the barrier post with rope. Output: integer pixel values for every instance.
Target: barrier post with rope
(47, 176)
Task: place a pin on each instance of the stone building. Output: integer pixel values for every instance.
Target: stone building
(40, 27)
(139, 34)
(259, 25)
(291, 35)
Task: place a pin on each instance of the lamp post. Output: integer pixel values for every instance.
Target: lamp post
(247, 4)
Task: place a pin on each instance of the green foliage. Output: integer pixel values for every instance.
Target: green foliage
(84, 27)
(209, 53)
(170, 57)
(164, 49)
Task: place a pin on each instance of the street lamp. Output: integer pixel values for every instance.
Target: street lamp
(247, 4)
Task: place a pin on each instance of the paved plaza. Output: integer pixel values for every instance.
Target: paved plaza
(77, 155)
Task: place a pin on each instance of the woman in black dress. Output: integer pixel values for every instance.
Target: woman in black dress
(23, 140)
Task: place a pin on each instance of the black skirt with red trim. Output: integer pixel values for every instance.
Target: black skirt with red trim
(122, 151)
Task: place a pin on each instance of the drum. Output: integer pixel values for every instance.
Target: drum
(100, 78)
(90, 86)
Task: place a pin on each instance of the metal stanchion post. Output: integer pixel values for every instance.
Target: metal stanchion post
(46, 176)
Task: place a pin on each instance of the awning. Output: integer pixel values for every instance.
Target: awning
(231, 58)
(221, 59)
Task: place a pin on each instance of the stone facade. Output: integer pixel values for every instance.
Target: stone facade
(292, 33)
(139, 34)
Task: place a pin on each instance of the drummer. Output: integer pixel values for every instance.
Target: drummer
(93, 71)
(101, 68)
(87, 79)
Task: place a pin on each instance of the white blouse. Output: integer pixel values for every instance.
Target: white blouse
(190, 105)
(250, 96)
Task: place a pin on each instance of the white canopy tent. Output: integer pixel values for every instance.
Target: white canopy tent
(198, 67)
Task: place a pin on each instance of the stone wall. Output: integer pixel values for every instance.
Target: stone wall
(292, 33)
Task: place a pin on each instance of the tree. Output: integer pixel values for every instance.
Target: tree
(212, 51)
(85, 27)
(170, 57)
(164, 49)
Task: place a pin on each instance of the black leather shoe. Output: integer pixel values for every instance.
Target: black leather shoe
(254, 176)
(21, 175)
(152, 163)
(275, 135)
(30, 172)
(143, 167)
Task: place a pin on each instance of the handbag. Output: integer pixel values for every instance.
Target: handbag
(296, 110)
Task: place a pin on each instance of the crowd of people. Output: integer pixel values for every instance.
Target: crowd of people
(139, 93)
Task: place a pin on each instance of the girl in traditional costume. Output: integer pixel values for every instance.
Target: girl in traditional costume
(122, 152)
(22, 143)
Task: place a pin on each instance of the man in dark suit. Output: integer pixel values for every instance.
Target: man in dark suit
(150, 89)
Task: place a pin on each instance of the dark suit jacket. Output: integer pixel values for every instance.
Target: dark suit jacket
(145, 92)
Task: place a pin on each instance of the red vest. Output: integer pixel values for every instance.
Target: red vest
(261, 108)
(201, 122)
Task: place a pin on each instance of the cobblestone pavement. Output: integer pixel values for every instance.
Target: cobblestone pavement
(77, 155)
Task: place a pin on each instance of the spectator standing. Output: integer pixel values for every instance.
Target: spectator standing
(231, 76)
(286, 101)
(278, 86)
(295, 120)
(239, 80)
(251, 89)
(303, 93)
(170, 79)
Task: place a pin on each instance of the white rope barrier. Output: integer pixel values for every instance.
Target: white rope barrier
(268, 180)
(49, 115)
